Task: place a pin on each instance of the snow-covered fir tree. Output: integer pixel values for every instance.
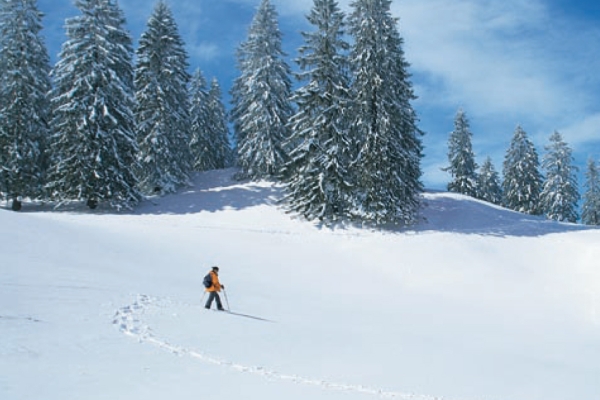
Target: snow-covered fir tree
(199, 117)
(522, 178)
(162, 113)
(387, 170)
(261, 98)
(560, 193)
(590, 214)
(93, 145)
(218, 130)
(24, 103)
(318, 182)
(463, 167)
(488, 183)
(209, 132)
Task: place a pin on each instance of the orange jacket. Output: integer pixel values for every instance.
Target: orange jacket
(216, 285)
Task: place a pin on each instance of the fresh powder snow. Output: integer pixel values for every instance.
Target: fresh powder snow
(473, 303)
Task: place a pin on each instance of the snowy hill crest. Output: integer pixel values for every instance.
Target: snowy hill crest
(216, 191)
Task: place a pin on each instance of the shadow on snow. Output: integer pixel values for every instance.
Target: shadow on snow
(215, 191)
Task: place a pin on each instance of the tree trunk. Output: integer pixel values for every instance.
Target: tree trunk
(16, 205)
(92, 203)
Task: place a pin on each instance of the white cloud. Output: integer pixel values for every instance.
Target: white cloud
(583, 132)
(434, 176)
(483, 54)
(204, 51)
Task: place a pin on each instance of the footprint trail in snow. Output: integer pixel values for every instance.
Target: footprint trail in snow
(129, 320)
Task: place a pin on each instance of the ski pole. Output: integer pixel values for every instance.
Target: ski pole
(226, 299)
(202, 300)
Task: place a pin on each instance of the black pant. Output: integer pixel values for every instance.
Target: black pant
(214, 296)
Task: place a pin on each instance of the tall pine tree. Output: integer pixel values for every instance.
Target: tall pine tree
(590, 214)
(463, 168)
(217, 124)
(318, 183)
(209, 132)
(162, 113)
(488, 183)
(200, 144)
(261, 98)
(522, 178)
(24, 103)
(560, 193)
(93, 145)
(387, 170)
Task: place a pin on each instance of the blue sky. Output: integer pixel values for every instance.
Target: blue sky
(528, 62)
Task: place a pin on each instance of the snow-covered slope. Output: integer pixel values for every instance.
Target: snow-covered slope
(476, 303)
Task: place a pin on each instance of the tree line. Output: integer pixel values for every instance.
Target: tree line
(529, 186)
(99, 127)
(112, 124)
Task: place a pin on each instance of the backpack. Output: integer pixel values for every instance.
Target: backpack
(207, 281)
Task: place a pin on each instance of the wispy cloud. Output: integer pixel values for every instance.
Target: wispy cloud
(584, 132)
(493, 57)
(204, 51)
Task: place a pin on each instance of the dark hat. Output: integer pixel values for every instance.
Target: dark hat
(215, 268)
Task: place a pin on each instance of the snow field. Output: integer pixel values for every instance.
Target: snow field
(108, 306)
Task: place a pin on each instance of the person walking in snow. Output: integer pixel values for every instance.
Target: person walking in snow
(213, 287)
